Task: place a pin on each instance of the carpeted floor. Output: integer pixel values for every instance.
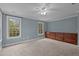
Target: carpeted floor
(42, 47)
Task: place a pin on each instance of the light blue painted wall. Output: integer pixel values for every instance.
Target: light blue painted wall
(66, 25)
(28, 31)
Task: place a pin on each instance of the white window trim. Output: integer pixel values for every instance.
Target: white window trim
(7, 17)
(42, 28)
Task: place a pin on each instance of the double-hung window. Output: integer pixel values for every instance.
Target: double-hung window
(40, 28)
(13, 27)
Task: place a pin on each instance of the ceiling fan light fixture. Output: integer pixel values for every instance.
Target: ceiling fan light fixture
(43, 13)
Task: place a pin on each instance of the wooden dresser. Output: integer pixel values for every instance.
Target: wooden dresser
(60, 36)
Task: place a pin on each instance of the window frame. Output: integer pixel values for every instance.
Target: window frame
(8, 17)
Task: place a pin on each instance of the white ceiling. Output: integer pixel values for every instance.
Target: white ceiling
(56, 11)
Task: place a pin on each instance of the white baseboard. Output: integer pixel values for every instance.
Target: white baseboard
(24, 41)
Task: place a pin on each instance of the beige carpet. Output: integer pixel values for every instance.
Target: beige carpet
(42, 47)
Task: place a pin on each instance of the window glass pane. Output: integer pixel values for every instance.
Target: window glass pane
(40, 27)
(14, 25)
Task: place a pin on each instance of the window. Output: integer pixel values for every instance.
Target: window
(40, 28)
(13, 27)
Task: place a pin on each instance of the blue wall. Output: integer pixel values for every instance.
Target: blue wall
(29, 28)
(66, 25)
(28, 31)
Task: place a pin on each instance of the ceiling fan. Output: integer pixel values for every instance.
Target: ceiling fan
(43, 9)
